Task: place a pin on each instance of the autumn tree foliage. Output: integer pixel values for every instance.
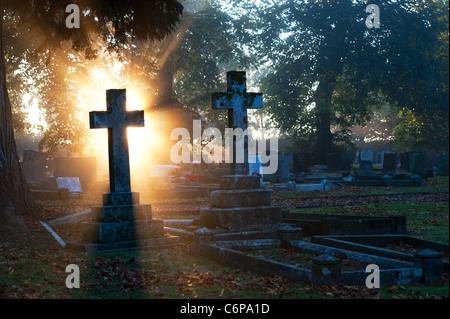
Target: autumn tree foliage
(117, 22)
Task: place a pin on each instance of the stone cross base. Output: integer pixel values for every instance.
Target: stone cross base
(240, 203)
(122, 223)
(152, 243)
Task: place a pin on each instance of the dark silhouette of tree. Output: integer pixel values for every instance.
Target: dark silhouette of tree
(118, 22)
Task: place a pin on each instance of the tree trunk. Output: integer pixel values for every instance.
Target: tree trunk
(324, 138)
(15, 195)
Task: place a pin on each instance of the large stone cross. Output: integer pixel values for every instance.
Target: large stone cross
(237, 100)
(116, 119)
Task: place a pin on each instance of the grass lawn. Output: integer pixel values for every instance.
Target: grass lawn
(423, 220)
(434, 185)
(32, 264)
(32, 271)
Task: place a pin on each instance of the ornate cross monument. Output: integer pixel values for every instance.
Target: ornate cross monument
(237, 100)
(121, 223)
(241, 202)
(116, 119)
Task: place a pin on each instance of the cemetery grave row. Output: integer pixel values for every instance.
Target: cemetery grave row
(241, 222)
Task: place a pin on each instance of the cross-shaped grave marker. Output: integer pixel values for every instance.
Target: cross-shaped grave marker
(116, 119)
(237, 100)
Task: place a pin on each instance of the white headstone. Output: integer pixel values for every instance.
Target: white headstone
(254, 165)
(161, 170)
(71, 183)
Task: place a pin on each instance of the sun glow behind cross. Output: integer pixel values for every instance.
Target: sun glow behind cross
(141, 140)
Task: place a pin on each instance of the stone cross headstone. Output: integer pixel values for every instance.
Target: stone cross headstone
(116, 119)
(121, 223)
(237, 100)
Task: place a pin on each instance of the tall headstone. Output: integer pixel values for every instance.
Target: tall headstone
(34, 166)
(282, 174)
(346, 161)
(365, 163)
(30, 155)
(417, 163)
(389, 161)
(442, 162)
(378, 157)
(283, 169)
(411, 161)
(299, 162)
(237, 100)
(334, 162)
(404, 161)
(121, 222)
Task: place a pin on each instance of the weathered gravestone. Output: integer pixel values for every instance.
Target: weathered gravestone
(366, 156)
(237, 100)
(122, 222)
(404, 161)
(378, 157)
(389, 161)
(241, 202)
(299, 162)
(417, 163)
(72, 184)
(337, 162)
(365, 163)
(85, 168)
(442, 164)
(282, 175)
(34, 166)
(334, 162)
(30, 155)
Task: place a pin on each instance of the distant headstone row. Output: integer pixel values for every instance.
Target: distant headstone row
(36, 167)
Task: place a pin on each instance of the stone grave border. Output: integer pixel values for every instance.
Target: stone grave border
(326, 224)
(234, 254)
(370, 244)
